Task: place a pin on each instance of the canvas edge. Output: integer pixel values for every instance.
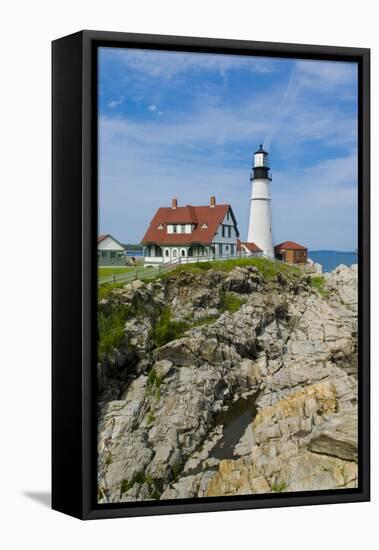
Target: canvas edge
(83, 497)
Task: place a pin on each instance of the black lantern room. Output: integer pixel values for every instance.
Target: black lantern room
(261, 168)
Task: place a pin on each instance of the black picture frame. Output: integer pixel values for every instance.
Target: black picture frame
(74, 205)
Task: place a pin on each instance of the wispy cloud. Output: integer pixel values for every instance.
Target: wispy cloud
(116, 102)
(166, 64)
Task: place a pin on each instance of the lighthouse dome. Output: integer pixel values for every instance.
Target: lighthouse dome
(261, 150)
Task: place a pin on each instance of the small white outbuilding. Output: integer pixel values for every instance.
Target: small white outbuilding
(110, 251)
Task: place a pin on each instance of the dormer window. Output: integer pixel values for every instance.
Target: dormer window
(160, 226)
(174, 228)
(204, 226)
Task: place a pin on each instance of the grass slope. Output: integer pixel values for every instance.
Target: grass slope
(268, 268)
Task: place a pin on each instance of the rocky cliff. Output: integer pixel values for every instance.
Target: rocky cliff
(224, 380)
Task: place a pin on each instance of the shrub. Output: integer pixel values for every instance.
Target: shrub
(318, 283)
(103, 291)
(126, 485)
(209, 319)
(150, 418)
(279, 487)
(229, 302)
(165, 329)
(281, 311)
(110, 327)
(153, 379)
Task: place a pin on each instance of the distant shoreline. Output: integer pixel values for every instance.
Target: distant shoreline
(330, 259)
(333, 251)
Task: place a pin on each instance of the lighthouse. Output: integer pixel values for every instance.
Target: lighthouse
(260, 225)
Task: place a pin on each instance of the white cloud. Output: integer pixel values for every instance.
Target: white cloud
(116, 102)
(167, 65)
(299, 107)
(152, 108)
(326, 74)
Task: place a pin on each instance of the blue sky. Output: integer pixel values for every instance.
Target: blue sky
(185, 125)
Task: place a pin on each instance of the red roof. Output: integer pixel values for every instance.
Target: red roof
(197, 215)
(101, 238)
(290, 245)
(252, 247)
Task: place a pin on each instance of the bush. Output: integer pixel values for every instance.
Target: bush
(110, 327)
(105, 290)
(150, 418)
(229, 302)
(165, 330)
(318, 283)
(279, 487)
(126, 485)
(208, 320)
(281, 312)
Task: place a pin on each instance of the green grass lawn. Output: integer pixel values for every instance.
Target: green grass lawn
(266, 267)
(107, 271)
(140, 272)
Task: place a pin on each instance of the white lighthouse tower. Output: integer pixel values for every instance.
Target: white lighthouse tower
(260, 225)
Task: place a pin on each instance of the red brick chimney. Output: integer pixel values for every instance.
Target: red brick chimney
(174, 204)
(213, 201)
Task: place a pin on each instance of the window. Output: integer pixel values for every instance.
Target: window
(166, 253)
(227, 215)
(227, 248)
(160, 226)
(229, 231)
(113, 254)
(174, 228)
(183, 252)
(259, 160)
(223, 230)
(232, 248)
(204, 226)
(174, 253)
(103, 253)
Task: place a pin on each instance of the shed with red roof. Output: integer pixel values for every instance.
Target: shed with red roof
(291, 252)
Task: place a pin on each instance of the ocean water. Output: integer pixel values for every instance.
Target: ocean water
(330, 259)
(135, 253)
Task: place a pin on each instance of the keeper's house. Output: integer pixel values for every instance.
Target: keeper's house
(291, 252)
(190, 233)
(109, 251)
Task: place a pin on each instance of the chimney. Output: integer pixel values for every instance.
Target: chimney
(174, 204)
(213, 201)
